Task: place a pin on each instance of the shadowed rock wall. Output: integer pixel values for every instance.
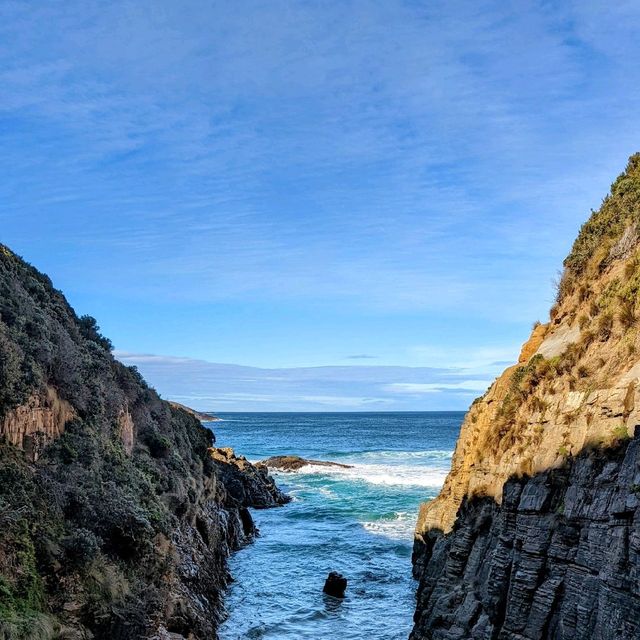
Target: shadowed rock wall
(558, 559)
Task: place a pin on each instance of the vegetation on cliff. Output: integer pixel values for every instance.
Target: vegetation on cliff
(115, 518)
(619, 210)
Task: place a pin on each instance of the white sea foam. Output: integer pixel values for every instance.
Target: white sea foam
(384, 474)
(401, 527)
(328, 493)
(391, 455)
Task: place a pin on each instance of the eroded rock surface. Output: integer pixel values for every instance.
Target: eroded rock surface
(558, 558)
(34, 424)
(245, 483)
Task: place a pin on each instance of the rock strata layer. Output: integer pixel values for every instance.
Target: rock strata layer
(536, 532)
(37, 422)
(558, 558)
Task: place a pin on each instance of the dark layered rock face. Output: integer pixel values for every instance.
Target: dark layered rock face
(558, 559)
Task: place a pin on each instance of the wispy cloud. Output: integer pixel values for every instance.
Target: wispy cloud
(486, 359)
(387, 172)
(413, 388)
(313, 148)
(211, 386)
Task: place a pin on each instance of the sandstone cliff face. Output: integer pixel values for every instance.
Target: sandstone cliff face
(34, 424)
(535, 532)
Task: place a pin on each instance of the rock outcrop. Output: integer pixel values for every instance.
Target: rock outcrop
(335, 585)
(37, 422)
(117, 513)
(246, 483)
(295, 463)
(536, 532)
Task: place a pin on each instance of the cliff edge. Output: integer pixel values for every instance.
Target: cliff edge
(117, 513)
(536, 532)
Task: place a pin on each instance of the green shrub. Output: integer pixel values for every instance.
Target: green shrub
(620, 433)
(584, 292)
(81, 547)
(91, 331)
(86, 506)
(159, 446)
(627, 313)
(583, 371)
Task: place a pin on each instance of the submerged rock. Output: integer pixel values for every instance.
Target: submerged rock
(335, 585)
(293, 463)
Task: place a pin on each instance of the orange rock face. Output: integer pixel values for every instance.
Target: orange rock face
(576, 385)
(39, 421)
(533, 343)
(127, 430)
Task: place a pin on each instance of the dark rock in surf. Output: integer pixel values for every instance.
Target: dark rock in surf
(335, 585)
(294, 463)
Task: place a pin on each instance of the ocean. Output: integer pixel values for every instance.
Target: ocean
(357, 521)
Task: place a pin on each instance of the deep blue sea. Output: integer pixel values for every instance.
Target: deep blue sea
(357, 521)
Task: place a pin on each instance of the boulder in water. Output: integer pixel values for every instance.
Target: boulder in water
(335, 585)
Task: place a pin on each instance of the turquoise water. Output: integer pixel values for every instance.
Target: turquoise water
(357, 521)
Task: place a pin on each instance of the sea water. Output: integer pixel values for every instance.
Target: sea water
(357, 521)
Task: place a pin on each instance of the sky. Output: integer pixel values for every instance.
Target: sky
(312, 205)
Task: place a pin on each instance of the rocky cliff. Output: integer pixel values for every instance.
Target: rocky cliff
(117, 513)
(536, 532)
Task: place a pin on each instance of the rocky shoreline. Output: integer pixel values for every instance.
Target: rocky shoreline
(203, 417)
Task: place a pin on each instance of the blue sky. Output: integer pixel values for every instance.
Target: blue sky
(290, 185)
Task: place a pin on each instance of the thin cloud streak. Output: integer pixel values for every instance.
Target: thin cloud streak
(290, 182)
(190, 90)
(214, 386)
(466, 386)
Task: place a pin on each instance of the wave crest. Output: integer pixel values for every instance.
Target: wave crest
(381, 474)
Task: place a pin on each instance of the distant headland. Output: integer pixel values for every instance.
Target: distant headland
(203, 417)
